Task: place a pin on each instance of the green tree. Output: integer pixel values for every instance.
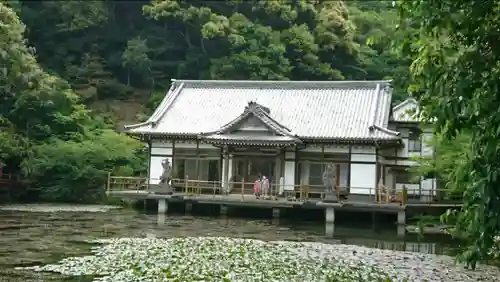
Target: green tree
(449, 154)
(135, 58)
(44, 128)
(455, 67)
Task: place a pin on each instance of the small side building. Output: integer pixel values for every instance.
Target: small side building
(415, 138)
(218, 131)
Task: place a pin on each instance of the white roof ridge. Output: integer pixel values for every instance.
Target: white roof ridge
(287, 83)
(406, 101)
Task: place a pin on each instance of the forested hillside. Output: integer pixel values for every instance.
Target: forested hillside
(120, 50)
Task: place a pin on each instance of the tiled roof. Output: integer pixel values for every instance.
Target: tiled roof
(345, 110)
(406, 111)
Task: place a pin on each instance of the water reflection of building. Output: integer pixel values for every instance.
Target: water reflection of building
(420, 247)
(219, 131)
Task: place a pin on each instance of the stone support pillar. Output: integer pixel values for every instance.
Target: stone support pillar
(402, 217)
(223, 209)
(188, 207)
(276, 212)
(330, 215)
(162, 206)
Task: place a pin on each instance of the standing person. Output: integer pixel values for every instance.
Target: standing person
(264, 186)
(257, 187)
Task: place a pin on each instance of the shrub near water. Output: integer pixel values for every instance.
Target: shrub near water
(210, 259)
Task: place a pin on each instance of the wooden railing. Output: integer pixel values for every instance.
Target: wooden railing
(124, 183)
(8, 178)
(302, 192)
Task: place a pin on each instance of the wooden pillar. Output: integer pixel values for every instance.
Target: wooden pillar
(197, 160)
(349, 171)
(173, 161)
(337, 180)
(225, 173)
(149, 163)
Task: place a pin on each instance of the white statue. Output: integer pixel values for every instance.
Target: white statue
(329, 180)
(166, 176)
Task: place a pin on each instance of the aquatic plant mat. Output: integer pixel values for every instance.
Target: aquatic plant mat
(50, 208)
(246, 260)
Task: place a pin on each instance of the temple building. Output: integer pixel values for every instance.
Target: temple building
(289, 131)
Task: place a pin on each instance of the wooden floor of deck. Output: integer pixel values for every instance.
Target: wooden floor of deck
(249, 200)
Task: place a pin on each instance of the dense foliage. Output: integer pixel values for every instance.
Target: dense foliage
(45, 131)
(454, 48)
(124, 50)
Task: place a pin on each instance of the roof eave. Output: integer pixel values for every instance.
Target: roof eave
(298, 140)
(349, 141)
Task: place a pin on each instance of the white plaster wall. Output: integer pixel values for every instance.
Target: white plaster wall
(289, 173)
(289, 177)
(363, 154)
(363, 158)
(363, 179)
(161, 151)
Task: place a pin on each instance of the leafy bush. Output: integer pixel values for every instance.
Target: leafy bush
(76, 171)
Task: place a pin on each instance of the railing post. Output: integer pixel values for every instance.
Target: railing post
(109, 182)
(386, 195)
(186, 184)
(405, 195)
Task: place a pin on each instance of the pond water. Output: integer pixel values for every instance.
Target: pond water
(33, 238)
